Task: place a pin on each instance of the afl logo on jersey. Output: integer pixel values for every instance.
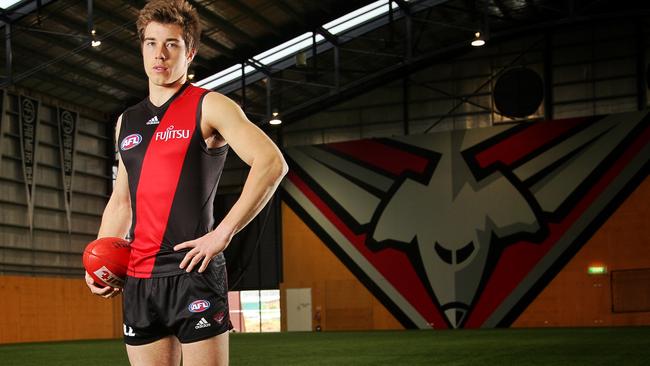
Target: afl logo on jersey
(130, 142)
(198, 306)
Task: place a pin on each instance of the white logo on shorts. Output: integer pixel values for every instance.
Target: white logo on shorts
(128, 331)
(202, 324)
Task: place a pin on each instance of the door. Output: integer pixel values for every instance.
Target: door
(298, 309)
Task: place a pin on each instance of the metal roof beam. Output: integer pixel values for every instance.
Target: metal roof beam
(503, 8)
(217, 47)
(328, 36)
(398, 71)
(223, 24)
(75, 26)
(251, 104)
(287, 9)
(73, 68)
(120, 45)
(322, 47)
(259, 19)
(75, 88)
(22, 10)
(258, 66)
(115, 18)
(472, 11)
(404, 6)
(290, 12)
(89, 53)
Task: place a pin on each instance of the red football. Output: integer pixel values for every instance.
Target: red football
(106, 260)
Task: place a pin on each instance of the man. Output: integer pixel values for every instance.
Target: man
(172, 146)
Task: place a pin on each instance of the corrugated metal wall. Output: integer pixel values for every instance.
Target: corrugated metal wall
(51, 249)
(593, 69)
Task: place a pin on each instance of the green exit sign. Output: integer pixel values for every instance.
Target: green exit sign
(597, 270)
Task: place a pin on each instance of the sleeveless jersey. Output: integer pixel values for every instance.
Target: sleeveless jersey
(172, 178)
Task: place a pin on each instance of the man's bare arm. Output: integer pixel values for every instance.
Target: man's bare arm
(267, 169)
(116, 218)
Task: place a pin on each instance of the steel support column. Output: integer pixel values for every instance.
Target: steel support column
(266, 71)
(548, 76)
(314, 53)
(409, 38)
(337, 68)
(641, 72)
(8, 55)
(408, 17)
(91, 25)
(405, 105)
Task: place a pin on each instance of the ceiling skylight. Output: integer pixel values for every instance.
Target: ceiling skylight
(302, 42)
(6, 4)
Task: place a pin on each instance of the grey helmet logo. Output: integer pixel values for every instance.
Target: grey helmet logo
(455, 238)
(456, 219)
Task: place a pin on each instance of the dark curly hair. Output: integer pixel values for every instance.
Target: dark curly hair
(178, 12)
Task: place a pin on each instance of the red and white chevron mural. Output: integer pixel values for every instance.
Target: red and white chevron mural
(462, 229)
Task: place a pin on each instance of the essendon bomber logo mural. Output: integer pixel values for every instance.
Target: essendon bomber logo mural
(463, 229)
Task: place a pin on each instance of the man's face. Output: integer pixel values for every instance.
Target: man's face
(165, 53)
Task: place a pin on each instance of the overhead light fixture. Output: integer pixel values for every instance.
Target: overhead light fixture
(275, 120)
(478, 40)
(95, 42)
(483, 33)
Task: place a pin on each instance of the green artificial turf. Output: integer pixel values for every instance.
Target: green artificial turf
(502, 347)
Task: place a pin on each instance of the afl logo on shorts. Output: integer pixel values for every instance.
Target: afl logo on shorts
(130, 142)
(199, 306)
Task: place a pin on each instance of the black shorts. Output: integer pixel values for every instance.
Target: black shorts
(191, 306)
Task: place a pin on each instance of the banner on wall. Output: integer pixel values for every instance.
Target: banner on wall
(3, 121)
(29, 120)
(463, 229)
(67, 122)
